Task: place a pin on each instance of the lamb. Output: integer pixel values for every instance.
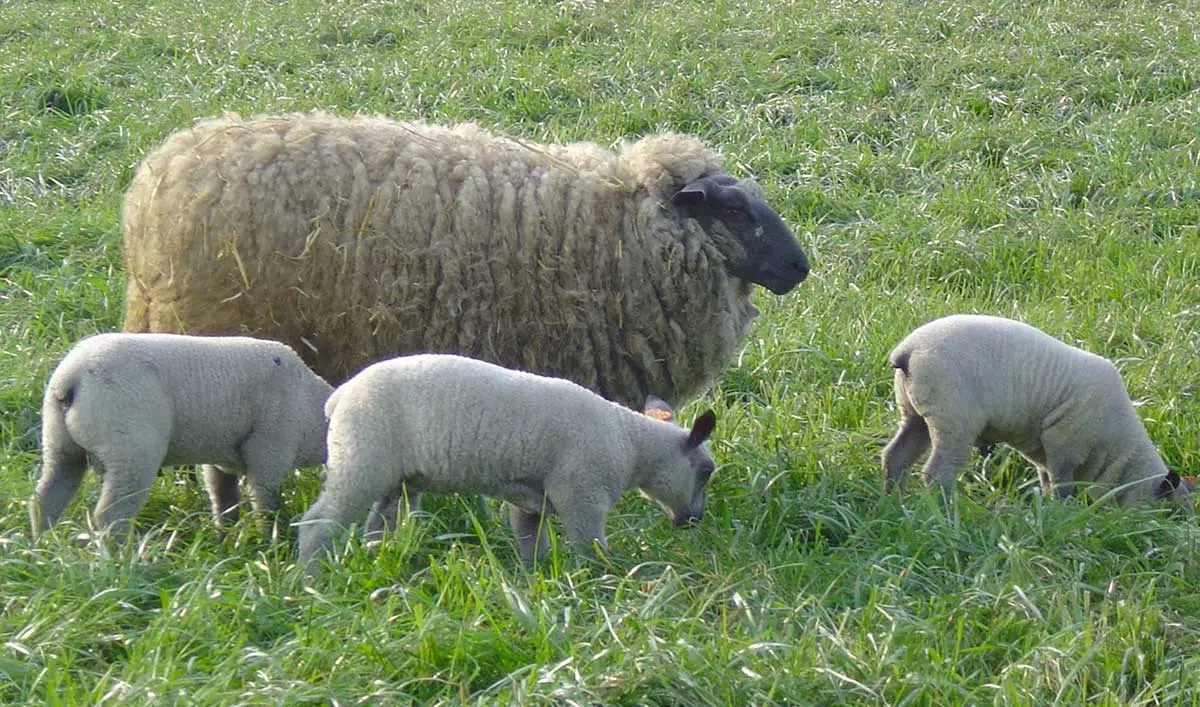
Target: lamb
(450, 424)
(358, 239)
(136, 402)
(967, 380)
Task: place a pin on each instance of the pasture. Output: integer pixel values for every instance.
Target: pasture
(1037, 160)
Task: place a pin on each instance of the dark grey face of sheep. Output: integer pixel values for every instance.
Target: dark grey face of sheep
(1178, 491)
(770, 255)
(689, 506)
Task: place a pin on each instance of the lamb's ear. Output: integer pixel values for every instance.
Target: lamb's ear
(701, 429)
(658, 408)
(1169, 483)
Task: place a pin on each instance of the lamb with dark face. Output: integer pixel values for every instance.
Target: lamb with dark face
(448, 424)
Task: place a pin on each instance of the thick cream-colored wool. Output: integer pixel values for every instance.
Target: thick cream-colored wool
(974, 380)
(357, 239)
(133, 403)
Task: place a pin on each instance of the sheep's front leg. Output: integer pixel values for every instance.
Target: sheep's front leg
(222, 493)
(582, 515)
(1058, 475)
(267, 457)
(533, 540)
(910, 442)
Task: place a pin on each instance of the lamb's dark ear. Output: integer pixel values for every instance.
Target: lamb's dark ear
(1169, 483)
(691, 194)
(658, 408)
(701, 429)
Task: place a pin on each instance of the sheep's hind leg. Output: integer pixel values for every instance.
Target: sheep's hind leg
(336, 509)
(123, 492)
(533, 540)
(910, 442)
(949, 454)
(222, 489)
(62, 473)
(382, 515)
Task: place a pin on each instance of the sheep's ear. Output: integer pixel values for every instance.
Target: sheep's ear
(701, 429)
(658, 408)
(691, 194)
(1169, 483)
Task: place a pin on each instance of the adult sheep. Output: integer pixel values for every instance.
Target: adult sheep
(357, 239)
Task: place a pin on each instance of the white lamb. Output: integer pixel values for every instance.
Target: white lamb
(974, 380)
(134, 403)
(449, 424)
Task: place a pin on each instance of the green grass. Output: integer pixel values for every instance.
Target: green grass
(1033, 159)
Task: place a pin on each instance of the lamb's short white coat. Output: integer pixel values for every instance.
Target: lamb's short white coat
(449, 424)
(134, 403)
(975, 380)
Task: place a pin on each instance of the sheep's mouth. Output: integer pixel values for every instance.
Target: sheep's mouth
(781, 280)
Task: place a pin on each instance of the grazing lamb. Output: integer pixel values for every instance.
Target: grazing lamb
(967, 380)
(449, 424)
(359, 239)
(137, 402)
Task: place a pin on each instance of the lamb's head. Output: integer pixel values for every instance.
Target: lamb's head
(682, 472)
(757, 245)
(1177, 491)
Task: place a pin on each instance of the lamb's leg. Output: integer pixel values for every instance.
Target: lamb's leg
(222, 493)
(267, 457)
(533, 540)
(1061, 464)
(582, 517)
(949, 454)
(63, 467)
(910, 442)
(338, 506)
(382, 515)
(124, 491)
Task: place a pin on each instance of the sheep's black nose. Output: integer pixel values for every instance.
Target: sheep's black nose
(801, 266)
(687, 520)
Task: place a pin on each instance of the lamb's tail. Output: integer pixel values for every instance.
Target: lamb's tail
(63, 461)
(899, 359)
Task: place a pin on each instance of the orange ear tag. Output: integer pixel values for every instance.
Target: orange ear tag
(658, 414)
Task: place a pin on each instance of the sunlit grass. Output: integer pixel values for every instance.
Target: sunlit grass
(1035, 160)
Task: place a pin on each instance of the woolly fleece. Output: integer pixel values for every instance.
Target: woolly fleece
(356, 239)
(136, 402)
(449, 424)
(967, 380)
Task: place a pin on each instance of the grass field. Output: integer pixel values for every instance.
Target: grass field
(1039, 160)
